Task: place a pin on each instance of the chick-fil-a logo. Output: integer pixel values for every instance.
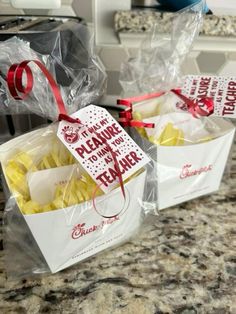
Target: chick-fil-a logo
(81, 230)
(70, 134)
(188, 171)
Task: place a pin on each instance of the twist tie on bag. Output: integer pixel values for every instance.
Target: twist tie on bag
(20, 92)
(203, 107)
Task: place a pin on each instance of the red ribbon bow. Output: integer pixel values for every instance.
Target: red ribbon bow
(204, 107)
(20, 92)
(126, 116)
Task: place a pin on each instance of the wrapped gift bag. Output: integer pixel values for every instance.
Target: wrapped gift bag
(77, 183)
(188, 153)
(188, 149)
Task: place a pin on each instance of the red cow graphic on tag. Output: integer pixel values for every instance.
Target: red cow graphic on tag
(71, 135)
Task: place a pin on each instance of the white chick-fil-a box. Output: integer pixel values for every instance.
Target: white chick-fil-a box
(71, 234)
(193, 169)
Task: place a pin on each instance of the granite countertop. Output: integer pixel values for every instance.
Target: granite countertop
(182, 262)
(139, 21)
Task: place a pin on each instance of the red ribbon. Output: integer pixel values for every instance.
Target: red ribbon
(126, 116)
(15, 82)
(203, 107)
(20, 92)
(117, 168)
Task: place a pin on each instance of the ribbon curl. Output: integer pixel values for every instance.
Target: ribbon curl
(20, 92)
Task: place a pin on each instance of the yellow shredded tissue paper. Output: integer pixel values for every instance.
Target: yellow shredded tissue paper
(170, 135)
(75, 191)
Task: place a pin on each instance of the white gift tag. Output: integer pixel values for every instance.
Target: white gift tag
(89, 141)
(42, 184)
(221, 89)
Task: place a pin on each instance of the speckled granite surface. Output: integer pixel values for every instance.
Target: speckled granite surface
(182, 262)
(137, 21)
